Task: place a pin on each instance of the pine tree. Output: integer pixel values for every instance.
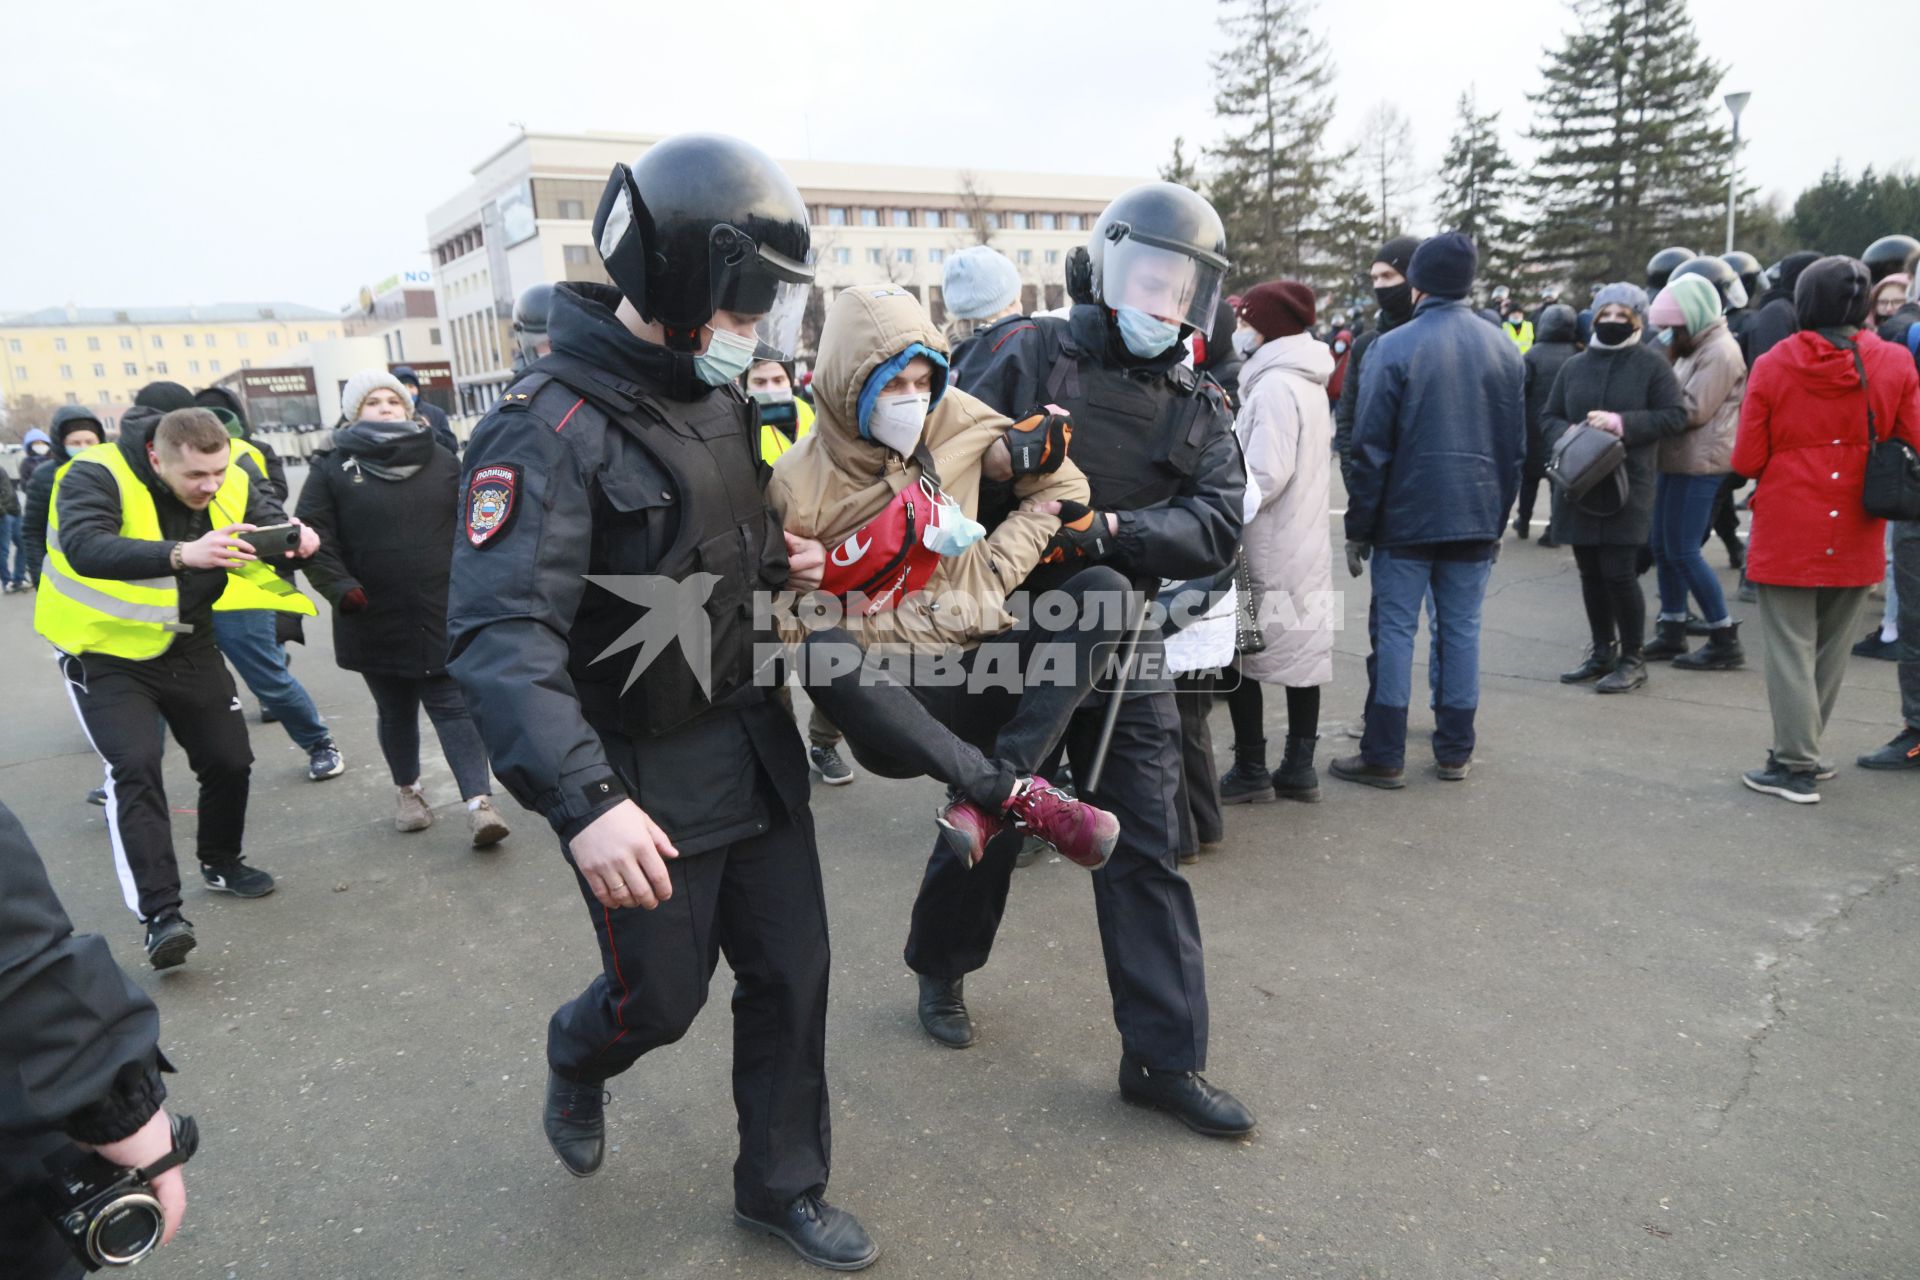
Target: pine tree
(1272, 171)
(1842, 215)
(1180, 167)
(1479, 191)
(1633, 149)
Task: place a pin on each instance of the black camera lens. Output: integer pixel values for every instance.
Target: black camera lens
(126, 1230)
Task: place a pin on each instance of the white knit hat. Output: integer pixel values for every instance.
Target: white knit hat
(363, 384)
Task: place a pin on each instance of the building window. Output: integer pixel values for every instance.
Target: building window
(59, 344)
(159, 366)
(126, 343)
(246, 363)
(66, 372)
(158, 342)
(332, 334)
(1021, 221)
(131, 369)
(93, 344)
(836, 215)
(433, 337)
(301, 336)
(869, 217)
(213, 366)
(73, 397)
(210, 341)
(239, 339)
(1024, 256)
(13, 345)
(1049, 222)
(993, 222)
(936, 256)
(99, 371)
(20, 373)
(843, 256)
(273, 339)
(106, 397)
(187, 339)
(1053, 257)
(193, 366)
(962, 221)
(576, 210)
(1076, 222)
(903, 217)
(875, 256)
(930, 217)
(574, 255)
(903, 255)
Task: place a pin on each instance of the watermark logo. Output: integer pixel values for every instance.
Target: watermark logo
(676, 609)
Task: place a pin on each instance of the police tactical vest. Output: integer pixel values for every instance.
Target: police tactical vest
(724, 527)
(138, 619)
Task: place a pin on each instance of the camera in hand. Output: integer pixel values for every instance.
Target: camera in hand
(109, 1215)
(271, 539)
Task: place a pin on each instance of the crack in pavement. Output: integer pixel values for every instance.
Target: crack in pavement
(1776, 971)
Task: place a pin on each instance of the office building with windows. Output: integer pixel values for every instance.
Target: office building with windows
(527, 218)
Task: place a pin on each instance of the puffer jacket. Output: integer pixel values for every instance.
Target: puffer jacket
(1713, 377)
(831, 481)
(1285, 427)
(1803, 436)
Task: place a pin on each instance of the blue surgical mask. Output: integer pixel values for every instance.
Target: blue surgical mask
(1245, 342)
(725, 359)
(1145, 335)
(955, 532)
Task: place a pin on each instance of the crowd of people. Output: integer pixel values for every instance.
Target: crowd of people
(1147, 475)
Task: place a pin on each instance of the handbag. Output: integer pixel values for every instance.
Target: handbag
(1891, 490)
(1583, 458)
(1247, 636)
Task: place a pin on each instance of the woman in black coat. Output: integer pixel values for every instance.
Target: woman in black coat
(384, 500)
(1621, 385)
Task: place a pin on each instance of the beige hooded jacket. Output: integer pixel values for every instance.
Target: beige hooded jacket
(831, 481)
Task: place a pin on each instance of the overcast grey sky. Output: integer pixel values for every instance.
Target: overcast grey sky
(250, 151)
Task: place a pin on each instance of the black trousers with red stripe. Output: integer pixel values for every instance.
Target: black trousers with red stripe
(759, 902)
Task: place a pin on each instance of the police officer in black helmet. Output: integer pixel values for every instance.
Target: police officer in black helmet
(1660, 267)
(530, 326)
(601, 625)
(1156, 443)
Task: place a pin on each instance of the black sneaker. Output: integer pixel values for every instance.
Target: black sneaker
(1872, 646)
(826, 761)
(236, 878)
(169, 938)
(1902, 753)
(98, 796)
(325, 761)
(1778, 780)
(820, 1233)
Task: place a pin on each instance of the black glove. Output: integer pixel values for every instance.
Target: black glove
(1083, 536)
(1037, 444)
(1357, 553)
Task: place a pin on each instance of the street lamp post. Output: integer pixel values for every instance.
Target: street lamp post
(1736, 103)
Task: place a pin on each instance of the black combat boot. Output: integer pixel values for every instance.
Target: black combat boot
(1628, 674)
(1599, 662)
(943, 1011)
(1296, 778)
(1248, 782)
(1722, 652)
(1669, 641)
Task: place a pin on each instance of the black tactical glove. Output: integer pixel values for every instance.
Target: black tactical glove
(1037, 444)
(1083, 536)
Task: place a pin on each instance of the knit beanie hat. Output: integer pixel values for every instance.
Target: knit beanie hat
(1630, 296)
(1833, 293)
(1398, 252)
(1444, 265)
(979, 282)
(363, 384)
(1688, 302)
(164, 396)
(1279, 308)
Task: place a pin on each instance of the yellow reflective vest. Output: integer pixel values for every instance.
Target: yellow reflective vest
(1522, 337)
(774, 442)
(138, 619)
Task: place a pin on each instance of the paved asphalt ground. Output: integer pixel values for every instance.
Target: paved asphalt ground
(1598, 1011)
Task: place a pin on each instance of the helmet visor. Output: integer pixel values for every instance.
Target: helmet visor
(755, 280)
(1166, 283)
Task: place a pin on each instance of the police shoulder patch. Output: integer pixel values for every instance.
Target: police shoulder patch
(493, 495)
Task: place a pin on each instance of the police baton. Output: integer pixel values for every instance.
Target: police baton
(1099, 765)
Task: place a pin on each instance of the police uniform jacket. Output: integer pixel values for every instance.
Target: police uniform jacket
(607, 459)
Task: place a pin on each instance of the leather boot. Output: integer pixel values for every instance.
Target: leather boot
(1627, 675)
(1188, 1097)
(1722, 652)
(1248, 782)
(1296, 778)
(820, 1233)
(1600, 661)
(576, 1124)
(1669, 641)
(943, 1011)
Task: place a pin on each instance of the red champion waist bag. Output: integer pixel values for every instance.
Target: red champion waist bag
(887, 559)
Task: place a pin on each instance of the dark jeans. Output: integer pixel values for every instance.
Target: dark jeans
(121, 706)
(13, 552)
(1906, 578)
(250, 639)
(1456, 590)
(398, 700)
(1610, 588)
(758, 902)
(1683, 508)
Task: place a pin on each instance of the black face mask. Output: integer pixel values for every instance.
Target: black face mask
(1396, 301)
(1613, 332)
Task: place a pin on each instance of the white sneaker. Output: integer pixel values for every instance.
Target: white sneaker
(410, 812)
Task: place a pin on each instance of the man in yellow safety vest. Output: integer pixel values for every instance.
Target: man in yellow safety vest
(145, 540)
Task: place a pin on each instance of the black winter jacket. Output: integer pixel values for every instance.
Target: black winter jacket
(1349, 404)
(79, 1054)
(393, 539)
(1637, 383)
(1556, 341)
(38, 490)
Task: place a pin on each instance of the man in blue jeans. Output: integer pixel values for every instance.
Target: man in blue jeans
(1439, 440)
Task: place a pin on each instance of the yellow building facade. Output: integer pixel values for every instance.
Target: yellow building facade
(100, 356)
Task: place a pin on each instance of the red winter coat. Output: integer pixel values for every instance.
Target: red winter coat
(1803, 435)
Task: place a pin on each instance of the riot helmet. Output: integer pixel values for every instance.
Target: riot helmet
(1161, 249)
(1752, 274)
(703, 223)
(1661, 266)
(1888, 255)
(1724, 279)
(530, 324)
(1079, 276)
